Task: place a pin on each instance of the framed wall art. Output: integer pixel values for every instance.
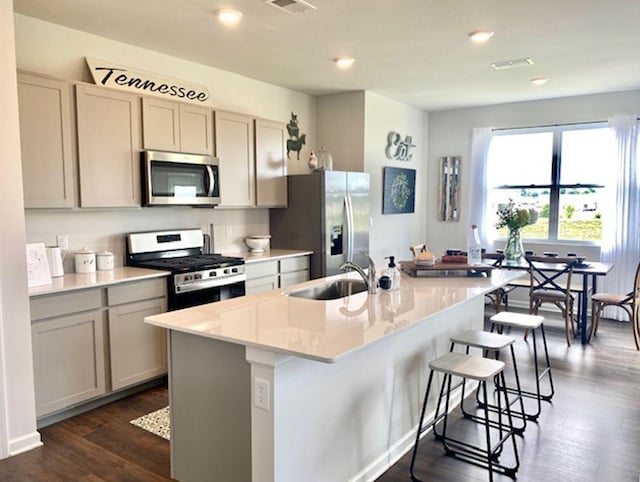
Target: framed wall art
(448, 209)
(399, 191)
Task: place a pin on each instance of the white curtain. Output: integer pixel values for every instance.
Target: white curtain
(621, 224)
(480, 142)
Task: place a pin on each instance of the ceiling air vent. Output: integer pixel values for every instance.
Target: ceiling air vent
(292, 7)
(512, 64)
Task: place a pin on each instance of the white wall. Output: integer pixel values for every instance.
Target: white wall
(392, 234)
(59, 51)
(17, 401)
(450, 135)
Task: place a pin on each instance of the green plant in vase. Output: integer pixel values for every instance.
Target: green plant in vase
(514, 219)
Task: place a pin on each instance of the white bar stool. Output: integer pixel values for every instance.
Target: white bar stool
(492, 343)
(482, 370)
(532, 323)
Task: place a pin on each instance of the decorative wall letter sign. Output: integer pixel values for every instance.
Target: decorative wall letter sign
(119, 77)
(397, 148)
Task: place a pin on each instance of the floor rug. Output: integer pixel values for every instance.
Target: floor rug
(155, 422)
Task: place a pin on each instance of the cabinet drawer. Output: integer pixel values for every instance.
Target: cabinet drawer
(62, 304)
(288, 279)
(297, 263)
(260, 285)
(136, 291)
(262, 268)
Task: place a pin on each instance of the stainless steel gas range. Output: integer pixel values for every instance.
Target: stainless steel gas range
(197, 277)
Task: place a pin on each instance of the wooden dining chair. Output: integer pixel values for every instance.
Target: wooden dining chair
(630, 303)
(550, 282)
(500, 295)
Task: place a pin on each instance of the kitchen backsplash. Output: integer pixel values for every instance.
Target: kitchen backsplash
(104, 230)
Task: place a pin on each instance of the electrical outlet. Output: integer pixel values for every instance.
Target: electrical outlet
(229, 232)
(62, 240)
(261, 393)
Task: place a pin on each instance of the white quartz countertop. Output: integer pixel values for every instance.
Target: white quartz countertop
(77, 281)
(269, 254)
(327, 330)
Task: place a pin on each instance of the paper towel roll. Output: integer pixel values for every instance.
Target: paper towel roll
(54, 257)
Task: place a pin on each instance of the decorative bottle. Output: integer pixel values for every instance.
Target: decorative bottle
(474, 248)
(392, 273)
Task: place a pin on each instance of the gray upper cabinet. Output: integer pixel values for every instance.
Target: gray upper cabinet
(46, 142)
(234, 149)
(253, 167)
(271, 164)
(174, 126)
(108, 147)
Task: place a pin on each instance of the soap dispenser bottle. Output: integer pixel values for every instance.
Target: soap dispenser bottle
(393, 273)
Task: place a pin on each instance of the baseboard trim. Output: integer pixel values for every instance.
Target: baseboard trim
(24, 443)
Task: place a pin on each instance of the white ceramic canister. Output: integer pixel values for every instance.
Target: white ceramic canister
(105, 261)
(85, 261)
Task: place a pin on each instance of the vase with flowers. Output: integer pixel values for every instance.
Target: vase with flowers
(514, 218)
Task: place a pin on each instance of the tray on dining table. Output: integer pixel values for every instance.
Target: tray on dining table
(445, 269)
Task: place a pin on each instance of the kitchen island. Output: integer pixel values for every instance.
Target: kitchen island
(271, 387)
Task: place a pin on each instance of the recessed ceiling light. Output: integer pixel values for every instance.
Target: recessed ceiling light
(344, 62)
(539, 80)
(480, 36)
(228, 16)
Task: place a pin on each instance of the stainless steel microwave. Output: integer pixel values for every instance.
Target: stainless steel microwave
(174, 179)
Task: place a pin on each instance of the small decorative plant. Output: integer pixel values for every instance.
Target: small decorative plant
(514, 218)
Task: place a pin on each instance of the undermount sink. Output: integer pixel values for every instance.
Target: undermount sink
(331, 291)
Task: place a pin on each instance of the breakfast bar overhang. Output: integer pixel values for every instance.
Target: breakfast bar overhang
(276, 388)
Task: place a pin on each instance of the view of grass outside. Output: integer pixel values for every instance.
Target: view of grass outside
(583, 230)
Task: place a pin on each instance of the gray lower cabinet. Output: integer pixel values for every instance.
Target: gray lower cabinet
(294, 270)
(261, 276)
(137, 350)
(276, 273)
(90, 343)
(68, 349)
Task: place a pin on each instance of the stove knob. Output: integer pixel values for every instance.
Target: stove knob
(226, 271)
(197, 276)
(188, 277)
(234, 270)
(213, 273)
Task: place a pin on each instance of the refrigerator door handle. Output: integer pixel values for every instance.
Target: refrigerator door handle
(349, 219)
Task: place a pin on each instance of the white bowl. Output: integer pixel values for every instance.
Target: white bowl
(257, 244)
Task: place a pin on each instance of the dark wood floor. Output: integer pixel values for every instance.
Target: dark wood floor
(591, 431)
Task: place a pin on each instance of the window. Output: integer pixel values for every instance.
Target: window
(556, 173)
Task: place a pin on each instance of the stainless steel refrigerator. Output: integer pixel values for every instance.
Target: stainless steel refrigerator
(327, 213)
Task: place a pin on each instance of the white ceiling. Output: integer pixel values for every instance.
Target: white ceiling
(413, 51)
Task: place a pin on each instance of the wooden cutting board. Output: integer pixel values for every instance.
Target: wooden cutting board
(444, 269)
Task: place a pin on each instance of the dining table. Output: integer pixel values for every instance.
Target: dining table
(590, 271)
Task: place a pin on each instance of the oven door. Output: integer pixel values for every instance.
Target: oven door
(187, 299)
(180, 179)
